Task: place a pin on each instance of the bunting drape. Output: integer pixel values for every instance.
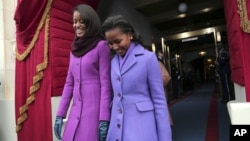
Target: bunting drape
(43, 34)
(237, 13)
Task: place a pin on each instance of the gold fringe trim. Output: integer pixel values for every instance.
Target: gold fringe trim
(39, 68)
(38, 77)
(27, 51)
(244, 22)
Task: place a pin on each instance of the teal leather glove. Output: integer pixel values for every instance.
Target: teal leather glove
(103, 130)
(58, 127)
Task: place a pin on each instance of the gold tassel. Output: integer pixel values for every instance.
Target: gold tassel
(244, 22)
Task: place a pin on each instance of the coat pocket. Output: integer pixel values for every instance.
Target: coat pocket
(145, 106)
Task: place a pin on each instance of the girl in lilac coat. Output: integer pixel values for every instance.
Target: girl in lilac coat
(87, 84)
(139, 108)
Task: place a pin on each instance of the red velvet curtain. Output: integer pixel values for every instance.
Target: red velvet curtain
(43, 34)
(238, 41)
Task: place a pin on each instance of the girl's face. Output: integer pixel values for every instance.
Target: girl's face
(78, 24)
(118, 41)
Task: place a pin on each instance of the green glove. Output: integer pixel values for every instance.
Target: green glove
(103, 130)
(58, 127)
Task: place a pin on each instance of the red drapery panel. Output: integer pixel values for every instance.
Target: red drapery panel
(238, 41)
(43, 34)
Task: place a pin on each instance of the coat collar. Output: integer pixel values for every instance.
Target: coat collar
(138, 50)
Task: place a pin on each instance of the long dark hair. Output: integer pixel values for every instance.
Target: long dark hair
(123, 24)
(90, 18)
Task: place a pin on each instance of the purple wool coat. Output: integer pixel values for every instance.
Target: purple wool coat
(88, 84)
(139, 108)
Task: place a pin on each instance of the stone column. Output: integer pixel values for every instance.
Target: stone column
(7, 70)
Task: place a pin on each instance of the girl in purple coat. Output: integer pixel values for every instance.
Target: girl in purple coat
(139, 108)
(88, 82)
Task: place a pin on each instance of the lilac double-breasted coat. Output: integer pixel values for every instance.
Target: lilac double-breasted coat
(88, 85)
(139, 108)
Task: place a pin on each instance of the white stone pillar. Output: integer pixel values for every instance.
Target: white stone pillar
(7, 70)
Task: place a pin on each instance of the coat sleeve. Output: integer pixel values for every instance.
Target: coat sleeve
(105, 80)
(66, 95)
(159, 100)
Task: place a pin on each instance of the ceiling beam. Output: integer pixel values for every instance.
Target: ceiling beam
(193, 9)
(195, 33)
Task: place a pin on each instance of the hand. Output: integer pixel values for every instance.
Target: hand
(179, 77)
(58, 127)
(103, 130)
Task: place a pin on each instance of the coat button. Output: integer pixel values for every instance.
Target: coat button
(118, 125)
(117, 140)
(120, 110)
(118, 78)
(119, 94)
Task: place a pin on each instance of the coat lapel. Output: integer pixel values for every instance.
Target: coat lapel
(131, 61)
